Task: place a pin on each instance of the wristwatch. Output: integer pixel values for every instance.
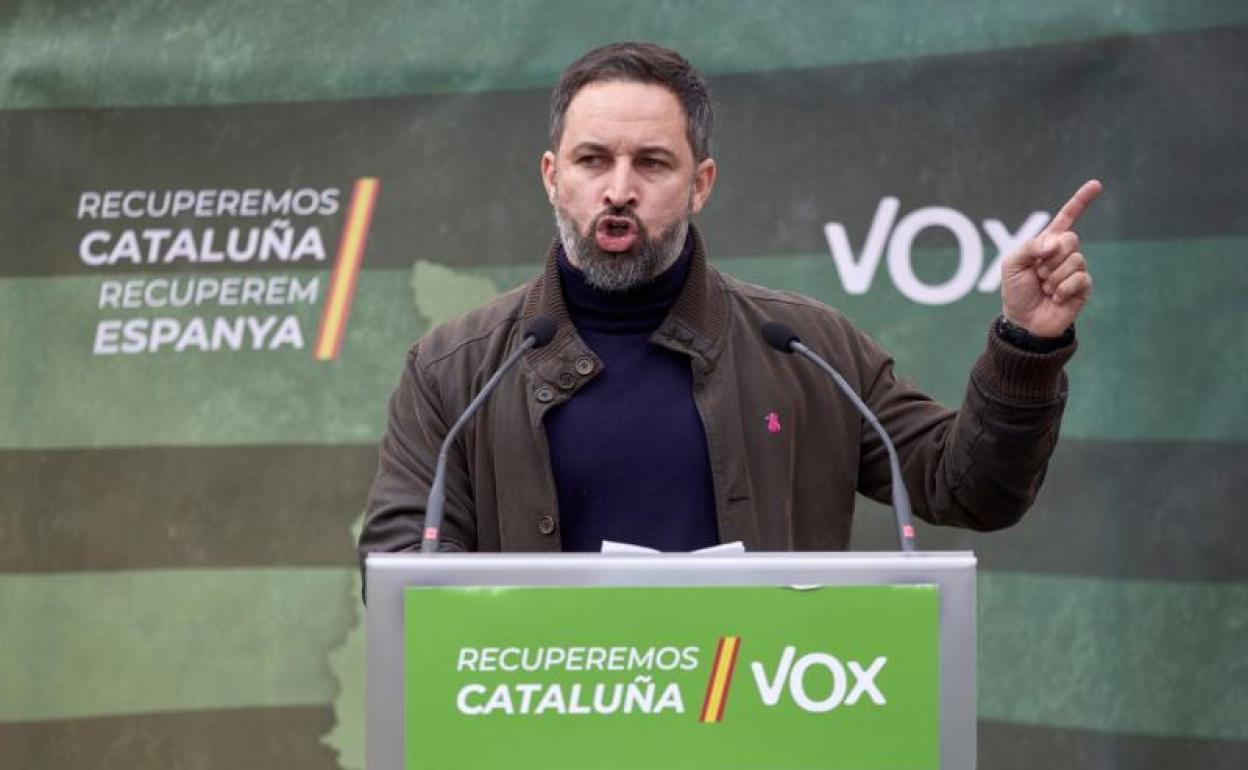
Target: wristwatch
(1021, 338)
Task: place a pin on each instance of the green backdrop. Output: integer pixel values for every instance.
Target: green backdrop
(177, 574)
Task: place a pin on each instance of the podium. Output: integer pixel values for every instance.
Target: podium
(596, 661)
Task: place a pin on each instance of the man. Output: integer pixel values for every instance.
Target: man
(657, 414)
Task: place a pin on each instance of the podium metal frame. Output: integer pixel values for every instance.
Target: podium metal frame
(953, 572)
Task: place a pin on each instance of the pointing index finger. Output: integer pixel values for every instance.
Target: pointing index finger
(1074, 208)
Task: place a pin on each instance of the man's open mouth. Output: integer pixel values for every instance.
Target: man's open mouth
(616, 234)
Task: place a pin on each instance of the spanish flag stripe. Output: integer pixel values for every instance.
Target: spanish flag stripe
(725, 674)
(710, 681)
(346, 269)
(732, 668)
(721, 677)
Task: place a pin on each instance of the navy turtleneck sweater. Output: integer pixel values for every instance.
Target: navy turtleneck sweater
(628, 450)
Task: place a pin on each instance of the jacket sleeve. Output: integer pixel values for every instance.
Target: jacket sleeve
(981, 466)
(395, 513)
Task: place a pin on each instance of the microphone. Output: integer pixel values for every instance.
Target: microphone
(785, 340)
(540, 332)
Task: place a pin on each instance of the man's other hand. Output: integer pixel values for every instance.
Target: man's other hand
(1045, 283)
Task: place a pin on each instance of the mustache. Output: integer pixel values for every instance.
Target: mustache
(617, 212)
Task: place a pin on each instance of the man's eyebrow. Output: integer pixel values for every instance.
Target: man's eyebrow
(597, 148)
(656, 149)
(590, 147)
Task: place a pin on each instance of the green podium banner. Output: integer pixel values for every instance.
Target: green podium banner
(688, 678)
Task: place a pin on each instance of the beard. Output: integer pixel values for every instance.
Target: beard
(611, 271)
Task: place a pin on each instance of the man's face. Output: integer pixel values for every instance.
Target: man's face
(624, 182)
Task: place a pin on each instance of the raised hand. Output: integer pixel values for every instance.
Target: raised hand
(1045, 283)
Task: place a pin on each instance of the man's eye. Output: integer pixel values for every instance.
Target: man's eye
(590, 161)
(653, 164)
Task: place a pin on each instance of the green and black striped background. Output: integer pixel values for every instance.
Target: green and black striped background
(177, 582)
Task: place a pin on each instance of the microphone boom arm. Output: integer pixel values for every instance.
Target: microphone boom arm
(901, 498)
(540, 332)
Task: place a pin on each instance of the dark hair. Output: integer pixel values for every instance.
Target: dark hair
(639, 63)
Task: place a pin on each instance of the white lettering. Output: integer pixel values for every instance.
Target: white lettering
(574, 702)
(227, 203)
(131, 204)
(155, 238)
(510, 652)
(253, 290)
(797, 683)
(304, 202)
(864, 682)
(164, 331)
(206, 291)
(329, 202)
(638, 659)
(110, 294)
(310, 245)
(228, 333)
(970, 260)
(857, 274)
(461, 700)
(206, 254)
(288, 333)
(259, 330)
(85, 252)
(89, 205)
(183, 200)
(500, 701)
(229, 291)
(552, 700)
(277, 204)
(639, 694)
(150, 296)
(251, 203)
(690, 656)
(106, 338)
(127, 248)
(112, 204)
(232, 250)
(617, 694)
(183, 247)
(303, 292)
(135, 333)
(527, 691)
(595, 659)
(770, 690)
(467, 659)
(1007, 243)
(555, 656)
(670, 699)
(193, 335)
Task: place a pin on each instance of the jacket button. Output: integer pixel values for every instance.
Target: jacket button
(567, 380)
(584, 365)
(546, 525)
(544, 394)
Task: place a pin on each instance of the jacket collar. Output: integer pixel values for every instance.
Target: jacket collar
(695, 325)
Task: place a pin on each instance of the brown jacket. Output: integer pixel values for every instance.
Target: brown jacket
(979, 467)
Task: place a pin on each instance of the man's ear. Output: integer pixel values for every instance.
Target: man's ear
(703, 181)
(548, 175)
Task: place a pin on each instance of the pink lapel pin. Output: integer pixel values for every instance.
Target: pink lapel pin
(773, 422)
